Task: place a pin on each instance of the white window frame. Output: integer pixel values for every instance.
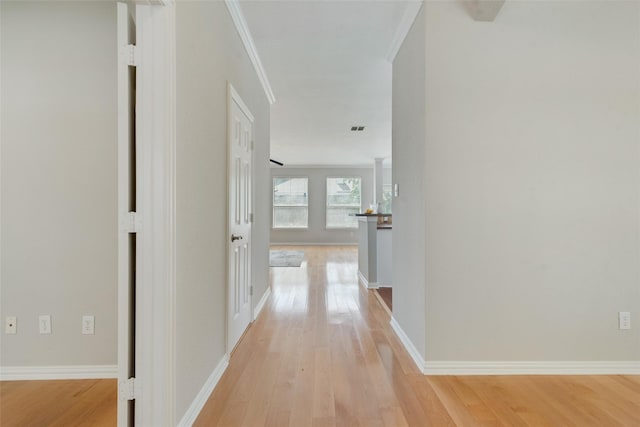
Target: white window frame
(273, 206)
(326, 201)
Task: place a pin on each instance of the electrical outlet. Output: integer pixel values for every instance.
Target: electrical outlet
(88, 325)
(624, 320)
(44, 323)
(11, 325)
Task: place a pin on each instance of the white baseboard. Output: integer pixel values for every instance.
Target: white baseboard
(532, 368)
(444, 367)
(408, 345)
(201, 398)
(367, 284)
(313, 244)
(258, 308)
(79, 372)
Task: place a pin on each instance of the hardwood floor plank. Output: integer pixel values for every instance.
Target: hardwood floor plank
(302, 403)
(491, 394)
(260, 402)
(393, 417)
(323, 399)
(58, 403)
(324, 422)
(278, 419)
(434, 411)
(452, 402)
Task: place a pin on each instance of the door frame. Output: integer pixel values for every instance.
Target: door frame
(124, 183)
(156, 176)
(234, 96)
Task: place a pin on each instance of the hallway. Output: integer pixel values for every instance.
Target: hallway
(322, 353)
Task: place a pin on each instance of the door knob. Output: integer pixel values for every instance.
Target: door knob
(234, 238)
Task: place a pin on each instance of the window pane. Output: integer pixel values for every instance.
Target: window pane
(343, 200)
(290, 217)
(386, 199)
(290, 202)
(339, 217)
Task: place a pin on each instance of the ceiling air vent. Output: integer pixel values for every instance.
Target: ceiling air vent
(357, 128)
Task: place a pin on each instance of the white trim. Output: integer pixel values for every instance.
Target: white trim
(327, 228)
(290, 228)
(444, 367)
(124, 180)
(234, 96)
(155, 179)
(261, 303)
(315, 166)
(365, 283)
(154, 2)
(408, 345)
(71, 372)
(233, 6)
(410, 13)
(201, 398)
(532, 368)
(312, 243)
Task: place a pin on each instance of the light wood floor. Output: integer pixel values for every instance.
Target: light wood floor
(58, 403)
(322, 354)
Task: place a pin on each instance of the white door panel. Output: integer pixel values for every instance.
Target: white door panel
(240, 194)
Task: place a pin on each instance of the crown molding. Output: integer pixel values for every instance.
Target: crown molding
(233, 6)
(410, 13)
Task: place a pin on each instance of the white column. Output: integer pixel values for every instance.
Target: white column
(377, 180)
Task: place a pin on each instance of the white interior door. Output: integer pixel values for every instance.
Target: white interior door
(240, 134)
(126, 33)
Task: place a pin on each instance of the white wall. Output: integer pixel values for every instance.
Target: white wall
(317, 232)
(59, 218)
(210, 53)
(408, 172)
(532, 185)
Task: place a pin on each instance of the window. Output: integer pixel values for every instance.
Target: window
(386, 203)
(343, 201)
(290, 202)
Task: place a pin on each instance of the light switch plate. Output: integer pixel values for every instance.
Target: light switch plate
(396, 190)
(88, 325)
(44, 323)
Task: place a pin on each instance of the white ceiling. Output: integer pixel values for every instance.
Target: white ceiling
(326, 62)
